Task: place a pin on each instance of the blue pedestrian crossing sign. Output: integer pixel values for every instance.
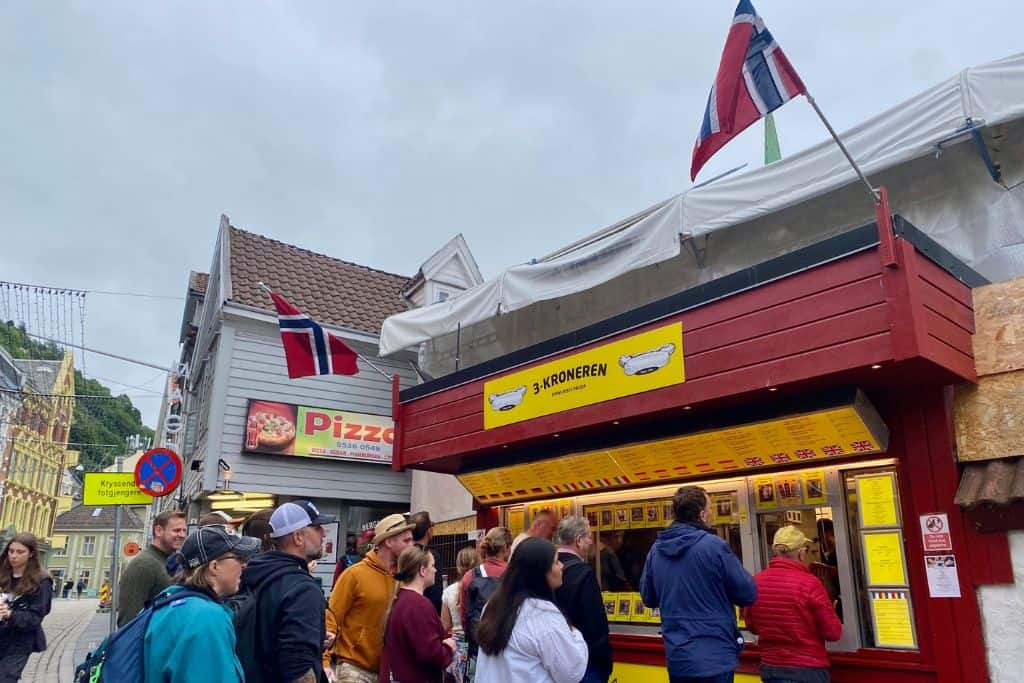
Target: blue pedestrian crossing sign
(158, 471)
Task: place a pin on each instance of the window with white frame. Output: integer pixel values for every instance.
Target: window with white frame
(88, 546)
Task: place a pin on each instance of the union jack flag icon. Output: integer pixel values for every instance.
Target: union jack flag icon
(834, 449)
(804, 453)
(862, 446)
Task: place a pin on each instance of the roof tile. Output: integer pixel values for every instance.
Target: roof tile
(994, 481)
(332, 291)
(81, 517)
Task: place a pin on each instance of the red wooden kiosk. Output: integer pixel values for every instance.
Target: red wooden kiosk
(837, 342)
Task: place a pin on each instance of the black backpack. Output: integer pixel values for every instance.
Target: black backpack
(244, 606)
(481, 588)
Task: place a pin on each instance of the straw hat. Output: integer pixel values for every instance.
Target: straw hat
(389, 527)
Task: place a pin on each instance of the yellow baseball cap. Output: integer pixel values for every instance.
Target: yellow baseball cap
(790, 537)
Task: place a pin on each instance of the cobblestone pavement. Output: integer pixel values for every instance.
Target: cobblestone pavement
(66, 623)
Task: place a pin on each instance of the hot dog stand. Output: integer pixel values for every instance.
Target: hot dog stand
(812, 389)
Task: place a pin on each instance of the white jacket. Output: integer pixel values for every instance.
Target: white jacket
(542, 649)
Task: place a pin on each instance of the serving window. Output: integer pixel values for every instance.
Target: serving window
(850, 513)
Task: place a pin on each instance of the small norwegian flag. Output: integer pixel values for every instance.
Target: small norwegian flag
(308, 349)
(754, 79)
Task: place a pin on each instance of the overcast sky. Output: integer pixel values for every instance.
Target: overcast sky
(373, 133)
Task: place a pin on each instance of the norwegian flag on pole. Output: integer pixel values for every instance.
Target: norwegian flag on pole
(308, 349)
(754, 78)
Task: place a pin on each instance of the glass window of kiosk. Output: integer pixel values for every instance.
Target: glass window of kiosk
(746, 513)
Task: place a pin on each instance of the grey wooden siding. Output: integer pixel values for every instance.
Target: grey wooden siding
(257, 370)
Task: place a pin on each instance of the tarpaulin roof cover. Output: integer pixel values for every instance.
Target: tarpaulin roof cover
(988, 95)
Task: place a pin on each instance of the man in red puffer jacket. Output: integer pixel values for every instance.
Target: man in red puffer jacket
(792, 615)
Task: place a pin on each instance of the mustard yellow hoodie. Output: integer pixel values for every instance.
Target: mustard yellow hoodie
(356, 612)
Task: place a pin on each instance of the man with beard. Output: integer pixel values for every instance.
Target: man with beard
(290, 629)
(357, 610)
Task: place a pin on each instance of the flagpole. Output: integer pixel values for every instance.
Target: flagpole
(360, 356)
(880, 197)
(876, 196)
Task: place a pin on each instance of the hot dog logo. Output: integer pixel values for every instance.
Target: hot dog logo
(647, 362)
(507, 400)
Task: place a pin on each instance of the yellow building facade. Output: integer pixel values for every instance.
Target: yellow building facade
(36, 445)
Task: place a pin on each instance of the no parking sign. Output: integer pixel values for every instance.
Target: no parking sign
(158, 471)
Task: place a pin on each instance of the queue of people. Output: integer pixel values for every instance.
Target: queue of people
(245, 606)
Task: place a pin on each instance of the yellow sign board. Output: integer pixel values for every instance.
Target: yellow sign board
(883, 556)
(894, 624)
(633, 365)
(112, 488)
(805, 438)
(876, 495)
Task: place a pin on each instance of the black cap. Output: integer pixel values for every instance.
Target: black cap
(210, 542)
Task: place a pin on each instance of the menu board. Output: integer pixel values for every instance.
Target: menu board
(807, 438)
(892, 619)
(883, 558)
(876, 500)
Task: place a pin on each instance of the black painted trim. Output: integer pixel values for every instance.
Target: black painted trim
(938, 254)
(820, 253)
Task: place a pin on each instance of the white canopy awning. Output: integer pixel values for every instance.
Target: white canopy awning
(986, 95)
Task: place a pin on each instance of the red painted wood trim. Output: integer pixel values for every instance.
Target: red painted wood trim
(942, 280)
(996, 518)
(792, 314)
(953, 335)
(902, 296)
(948, 307)
(937, 351)
(951, 628)
(785, 344)
(455, 409)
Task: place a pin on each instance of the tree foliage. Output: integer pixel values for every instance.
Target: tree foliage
(105, 420)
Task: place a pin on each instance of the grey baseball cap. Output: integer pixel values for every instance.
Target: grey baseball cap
(296, 515)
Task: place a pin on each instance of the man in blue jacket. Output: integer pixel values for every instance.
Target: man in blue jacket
(694, 578)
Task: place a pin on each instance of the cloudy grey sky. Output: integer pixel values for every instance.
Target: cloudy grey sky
(375, 131)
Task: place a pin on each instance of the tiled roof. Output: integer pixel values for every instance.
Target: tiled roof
(330, 290)
(41, 374)
(993, 481)
(197, 282)
(82, 517)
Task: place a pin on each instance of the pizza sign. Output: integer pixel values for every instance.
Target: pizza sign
(302, 431)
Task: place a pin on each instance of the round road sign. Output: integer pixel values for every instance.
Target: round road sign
(158, 471)
(131, 548)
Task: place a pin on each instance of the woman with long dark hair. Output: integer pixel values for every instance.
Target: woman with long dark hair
(523, 636)
(416, 646)
(27, 591)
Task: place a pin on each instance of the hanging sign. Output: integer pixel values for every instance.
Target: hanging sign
(131, 549)
(158, 471)
(633, 365)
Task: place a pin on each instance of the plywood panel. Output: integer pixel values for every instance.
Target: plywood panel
(999, 323)
(989, 417)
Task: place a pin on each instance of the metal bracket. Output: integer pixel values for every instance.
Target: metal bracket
(699, 254)
(972, 129)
